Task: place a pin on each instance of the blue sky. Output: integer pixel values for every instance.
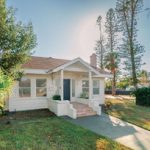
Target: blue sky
(67, 28)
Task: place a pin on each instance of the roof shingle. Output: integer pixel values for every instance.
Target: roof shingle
(49, 63)
(44, 63)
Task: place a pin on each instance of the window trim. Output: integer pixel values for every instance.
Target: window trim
(20, 88)
(44, 87)
(87, 87)
(73, 89)
(97, 87)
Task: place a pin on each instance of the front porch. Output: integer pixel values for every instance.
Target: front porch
(73, 109)
(79, 86)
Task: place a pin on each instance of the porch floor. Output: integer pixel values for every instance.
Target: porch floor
(83, 109)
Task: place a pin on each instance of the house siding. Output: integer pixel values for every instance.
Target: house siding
(17, 103)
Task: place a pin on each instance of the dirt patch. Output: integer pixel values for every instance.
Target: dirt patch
(25, 115)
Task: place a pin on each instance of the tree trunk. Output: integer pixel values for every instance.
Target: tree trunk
(134, 77)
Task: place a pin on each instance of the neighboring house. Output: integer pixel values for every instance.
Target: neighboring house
(71, 79)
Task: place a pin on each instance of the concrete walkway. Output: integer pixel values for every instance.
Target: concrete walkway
(116, 129)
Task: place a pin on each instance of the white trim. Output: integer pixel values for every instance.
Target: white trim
(90, 85)
(102, 76)
(34, 71)
(62, 84)
(74, 89)
(40, 87)
(96, 87)
(72, 62)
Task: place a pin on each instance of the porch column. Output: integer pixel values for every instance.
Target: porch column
(62, 84)
(90, 85)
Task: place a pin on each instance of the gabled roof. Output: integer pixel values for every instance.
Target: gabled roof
(44, 63)
(50, 64)
(72, 62)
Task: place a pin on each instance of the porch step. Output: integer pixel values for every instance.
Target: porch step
(83, 109)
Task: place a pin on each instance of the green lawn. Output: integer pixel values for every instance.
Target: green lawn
(128, 111)
(52, 133)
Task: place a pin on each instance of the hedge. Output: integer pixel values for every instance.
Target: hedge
(142, 96)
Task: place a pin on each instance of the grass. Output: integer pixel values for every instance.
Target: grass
(52, 133)
(128, 111)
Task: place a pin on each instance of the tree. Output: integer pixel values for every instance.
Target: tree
(131, 50)
(100, 45)
(111, 63)
(6, 83)
(124, 82)
(111, 59)
(143, 77)
(16, 41)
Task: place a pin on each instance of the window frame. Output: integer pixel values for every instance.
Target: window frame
(85, 87)
(96, 87)
(42, 87)
(24, 87)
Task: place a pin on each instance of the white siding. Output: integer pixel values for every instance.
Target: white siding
(17, 103)
(27, 104)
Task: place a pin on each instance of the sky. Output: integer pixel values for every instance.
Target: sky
(67, 28)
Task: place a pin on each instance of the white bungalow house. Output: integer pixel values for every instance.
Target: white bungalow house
(79, 84)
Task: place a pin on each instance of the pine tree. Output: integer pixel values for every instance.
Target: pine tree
(111, 60)
(100, 45)
(131, 50)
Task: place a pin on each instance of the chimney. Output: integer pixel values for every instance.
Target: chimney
(93, 60)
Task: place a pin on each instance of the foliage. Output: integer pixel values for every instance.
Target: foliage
(100, 50)
(142, 96)
(143, 77)
(111, 63)
(111, 60)
(111, 29)
(130, 50)
(5, 87)
(56, 97)
(124, 82)
(127, 110)
(84, 95)
(16, 41)
(108, 84)
(108, 105)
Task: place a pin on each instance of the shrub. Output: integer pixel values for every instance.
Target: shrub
(56, 97)
(142, 96)
(108, 105)
(84, 95)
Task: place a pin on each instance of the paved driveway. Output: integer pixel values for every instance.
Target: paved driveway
(116, 129)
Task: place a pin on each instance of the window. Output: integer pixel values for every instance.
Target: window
(96, 87)
(73, 88)
(25, 87)
(41, 88)
(85, 87)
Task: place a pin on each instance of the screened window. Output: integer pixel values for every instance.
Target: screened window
(96, 87)
(41, 90)
(85, 87)
(25, 87)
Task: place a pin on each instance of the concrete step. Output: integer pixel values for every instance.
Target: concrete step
(83, 110)
(86, 114)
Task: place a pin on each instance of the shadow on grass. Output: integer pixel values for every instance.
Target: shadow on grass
(104, 125)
